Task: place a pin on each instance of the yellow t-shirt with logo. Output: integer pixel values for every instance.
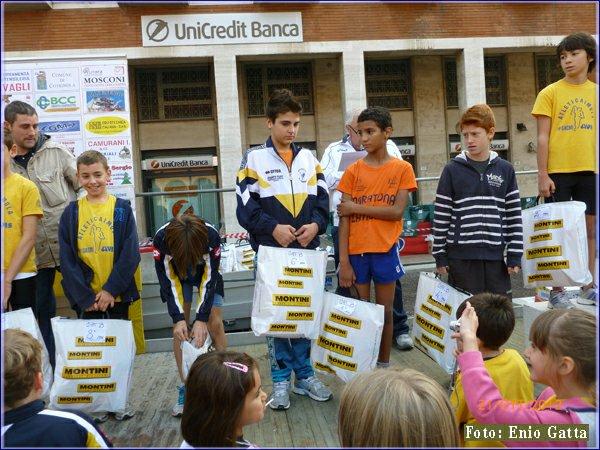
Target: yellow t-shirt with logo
(95, 238)
(510, 373)
(572, 109)
(21, 198)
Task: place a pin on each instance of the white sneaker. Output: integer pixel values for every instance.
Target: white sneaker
(560, 300)
(280, 395)
(404, 342)
(588, 296)
(177, 410)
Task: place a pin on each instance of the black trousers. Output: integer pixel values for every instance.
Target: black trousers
(475, 276)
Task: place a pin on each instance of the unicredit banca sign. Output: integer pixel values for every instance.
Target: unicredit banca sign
(211, 29)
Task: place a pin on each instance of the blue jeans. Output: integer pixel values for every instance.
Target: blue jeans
(46, 307)
(287, 354)
(400, 316)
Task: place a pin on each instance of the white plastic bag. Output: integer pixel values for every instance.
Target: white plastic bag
(244, 257)
(94, 364)
(555, 251)
(189, 354)
(228, 258)
(349, 336)
(288, 293)
(23, 319)
(435, 308)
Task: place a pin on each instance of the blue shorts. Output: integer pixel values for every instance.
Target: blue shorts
(188, 294)
(382, 268)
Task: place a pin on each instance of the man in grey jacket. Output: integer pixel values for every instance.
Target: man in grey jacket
(52, 168)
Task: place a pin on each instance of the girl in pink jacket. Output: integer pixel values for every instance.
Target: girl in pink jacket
(562, 355)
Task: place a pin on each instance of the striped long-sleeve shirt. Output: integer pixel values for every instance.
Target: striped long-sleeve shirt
(478, 216)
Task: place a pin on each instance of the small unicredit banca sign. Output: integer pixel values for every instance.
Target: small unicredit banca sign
(211, 29)
(192, 162)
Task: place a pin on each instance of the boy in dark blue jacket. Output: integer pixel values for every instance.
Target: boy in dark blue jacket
(282, 201)
(99, 249)
(478, 212)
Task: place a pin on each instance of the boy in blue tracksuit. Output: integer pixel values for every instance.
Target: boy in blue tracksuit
(99, 249)
(282, 201)
(478, 212)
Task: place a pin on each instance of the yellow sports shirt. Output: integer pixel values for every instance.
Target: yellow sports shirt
(95, 238)
(510, 373)
(572, 109)
(21, 198)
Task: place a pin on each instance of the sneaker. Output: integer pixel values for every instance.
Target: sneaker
(126, 415)
(314, 388)
(560, 300)
(404, 342)
(382, 365)
(100, 417)
(177, 410)
(280, 396)
(588, 296)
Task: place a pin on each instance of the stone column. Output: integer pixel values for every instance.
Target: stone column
(470, 77)
(354, 91)
(229, 134)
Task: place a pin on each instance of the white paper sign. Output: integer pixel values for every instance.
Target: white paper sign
(349, 158)
(295, 258)
(94, 332)
(346, 305)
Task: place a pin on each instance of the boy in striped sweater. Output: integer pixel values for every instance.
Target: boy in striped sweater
(478, 212)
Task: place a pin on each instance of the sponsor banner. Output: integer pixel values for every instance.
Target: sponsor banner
(56, 79)
(70, 400)
(334, 346)
(290, 284)
(105, 101)
(552, 265)
(540, 237)
(121, 173)
(495, 145)
(324, 367)
(113, 125)
(97, 387)
(432, 312)
(432, 343)
(430, 327)
(75, 146)
(539, 277)
(68, 127)
(16, 81)
(105, 76)
(211, 29)
(300, 315)
(341, 363)
(58, 103)
(114, 149)
(85, 355)
(185, 162)
(335, 330)
(443, 306)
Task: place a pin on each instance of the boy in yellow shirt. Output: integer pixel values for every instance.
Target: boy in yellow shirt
(506, 366)
(99, 249)
(566, 113)
(21, 211)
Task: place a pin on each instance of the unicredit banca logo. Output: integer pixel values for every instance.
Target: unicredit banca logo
(157, 30)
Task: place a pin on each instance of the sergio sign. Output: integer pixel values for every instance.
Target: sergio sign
(201, 29)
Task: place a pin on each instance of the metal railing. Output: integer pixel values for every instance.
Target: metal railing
(232, 189)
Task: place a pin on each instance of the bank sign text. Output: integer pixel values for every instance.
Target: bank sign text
(211, 29)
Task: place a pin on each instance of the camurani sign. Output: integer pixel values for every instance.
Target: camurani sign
(210, 29)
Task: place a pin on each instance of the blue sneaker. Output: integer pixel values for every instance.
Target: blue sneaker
(177, 410)
(588, 296)
(560, 300)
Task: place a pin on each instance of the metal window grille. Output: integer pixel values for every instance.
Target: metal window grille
(547, 71)
(262, 80)
(174, 94)
(451, 83)
(388, 84)
(495, 80)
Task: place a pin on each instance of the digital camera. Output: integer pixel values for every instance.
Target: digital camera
(455, 326)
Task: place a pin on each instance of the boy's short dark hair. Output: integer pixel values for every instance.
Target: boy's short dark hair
(579, 41)
(381, 116)
(90, 157)
(496, 318)
(281, 102)
(18, 107)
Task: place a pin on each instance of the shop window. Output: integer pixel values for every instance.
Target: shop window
(547, 71)
(495, 81)
(174, 94)
(388, 84)
(262, 80)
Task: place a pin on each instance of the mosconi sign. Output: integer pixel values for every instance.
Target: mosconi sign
(210, 29)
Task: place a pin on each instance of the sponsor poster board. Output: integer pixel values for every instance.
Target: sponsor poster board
(82, 104)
